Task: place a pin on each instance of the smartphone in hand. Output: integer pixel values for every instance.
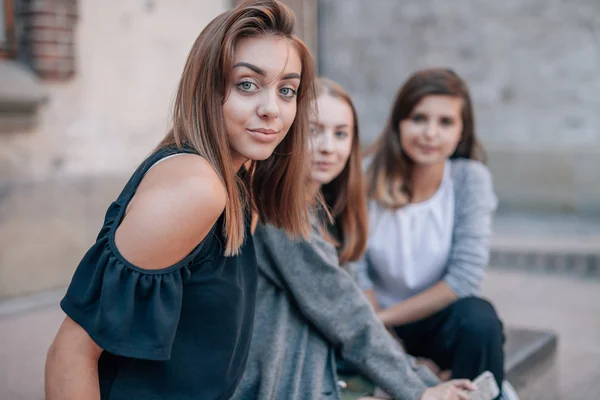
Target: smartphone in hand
(487, 388)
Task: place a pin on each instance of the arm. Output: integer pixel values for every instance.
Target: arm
(420, 306)
(370, 295)
(158, 231)
(359, 269)
(328, 297)
(72, 365)
(475, 204)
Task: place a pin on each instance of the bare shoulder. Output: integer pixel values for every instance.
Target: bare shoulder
(174, 208)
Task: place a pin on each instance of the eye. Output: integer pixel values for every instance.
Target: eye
(247, 86)
(419, 118)
(446, 121)
(341, 134)
(313, 129)
(288, 92)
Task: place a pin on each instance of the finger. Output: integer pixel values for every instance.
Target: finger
(462, 395)
(432, 367)
(445, 375)
(464, 384)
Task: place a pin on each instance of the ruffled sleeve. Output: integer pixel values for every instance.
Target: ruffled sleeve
(126, 310)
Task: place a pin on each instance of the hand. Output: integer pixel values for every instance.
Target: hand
(444, 375)
(457, 389)
(429, 364)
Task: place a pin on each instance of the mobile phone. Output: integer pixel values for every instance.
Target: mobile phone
(487, 388)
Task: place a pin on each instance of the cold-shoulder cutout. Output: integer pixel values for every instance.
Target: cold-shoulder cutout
(126, 308)
(174, 208)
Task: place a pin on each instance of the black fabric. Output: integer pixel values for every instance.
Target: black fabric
(178, 333)
(466, 337)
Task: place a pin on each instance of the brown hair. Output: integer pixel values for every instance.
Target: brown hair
(389, 173)
(345, 195)
(276, 187)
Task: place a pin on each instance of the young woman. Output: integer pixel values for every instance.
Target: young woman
(430, 212)
(307, 306)
(162, 305)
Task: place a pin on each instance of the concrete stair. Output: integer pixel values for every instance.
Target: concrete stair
(530, 363)
(546, 242)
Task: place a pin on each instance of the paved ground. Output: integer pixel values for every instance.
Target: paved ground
(566, 305)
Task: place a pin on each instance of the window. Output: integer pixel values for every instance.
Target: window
(7, 29)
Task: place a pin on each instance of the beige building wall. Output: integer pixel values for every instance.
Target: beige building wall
(57, 180)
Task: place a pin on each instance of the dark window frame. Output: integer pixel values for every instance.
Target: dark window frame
(8, 48)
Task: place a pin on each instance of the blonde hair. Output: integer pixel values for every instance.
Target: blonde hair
(274, 188)
(345, 195)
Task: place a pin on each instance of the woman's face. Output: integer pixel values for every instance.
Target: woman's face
(332, 129)
(261, 101)
(430, 134)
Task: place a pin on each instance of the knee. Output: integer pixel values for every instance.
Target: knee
(477, 319)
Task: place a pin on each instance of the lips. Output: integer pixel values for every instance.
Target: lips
(263, 135)
(428, 149)
(322, 165)
(264, 131)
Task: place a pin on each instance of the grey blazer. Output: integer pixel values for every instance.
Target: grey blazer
(307, 305)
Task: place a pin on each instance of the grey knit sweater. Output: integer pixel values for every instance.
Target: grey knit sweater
(475, 203)
(307, 305)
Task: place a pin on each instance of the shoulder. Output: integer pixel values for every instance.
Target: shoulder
(174, 208)
(473, 183)
(465, 170)
(187, 177)
(276, 242)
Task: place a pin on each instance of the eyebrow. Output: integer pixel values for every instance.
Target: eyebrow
(261, 72)
(336, 127)
(250, 66)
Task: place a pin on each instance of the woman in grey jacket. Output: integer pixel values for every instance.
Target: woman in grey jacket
(308, 306)
(431, 202)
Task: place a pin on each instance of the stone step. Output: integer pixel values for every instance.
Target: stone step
(548, 242)
(530, 363)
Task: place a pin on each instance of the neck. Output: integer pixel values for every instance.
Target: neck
(313, 188)
(426, 180)
(238, 162)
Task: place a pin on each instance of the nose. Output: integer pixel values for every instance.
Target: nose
(268, 107)
(325, 142)
(431, 130)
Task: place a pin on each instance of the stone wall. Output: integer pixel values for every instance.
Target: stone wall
(533, 68)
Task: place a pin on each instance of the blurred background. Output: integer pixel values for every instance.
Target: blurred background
(85, 92)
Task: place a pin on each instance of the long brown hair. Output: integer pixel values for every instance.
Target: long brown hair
(389, 172)
(276, 188)
(345, 195)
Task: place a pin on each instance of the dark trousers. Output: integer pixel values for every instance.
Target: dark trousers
(466, 337)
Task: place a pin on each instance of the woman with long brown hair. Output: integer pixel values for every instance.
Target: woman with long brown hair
(431, 203)
(162, 305)
(307, 304)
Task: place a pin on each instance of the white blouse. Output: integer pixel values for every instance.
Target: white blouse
(408, 248)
